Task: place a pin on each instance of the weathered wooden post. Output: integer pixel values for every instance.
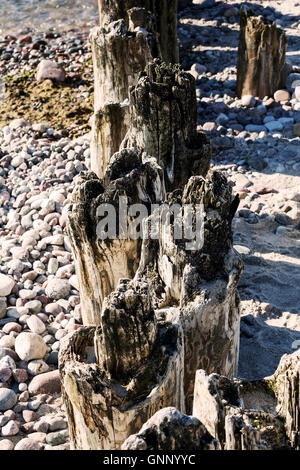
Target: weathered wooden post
(261, 68)
(158, 307)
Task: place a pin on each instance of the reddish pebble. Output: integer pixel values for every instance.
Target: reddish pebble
(29, 416)
(20, 375)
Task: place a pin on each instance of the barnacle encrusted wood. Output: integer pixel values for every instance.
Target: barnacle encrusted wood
(261, 68)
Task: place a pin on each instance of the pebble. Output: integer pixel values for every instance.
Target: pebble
(30, 346)
(58, 289)
(37, 366)
(36, 325)
(6, 444)
(48, 69)
(6, 285)
(248, 101)
(10, 429)
(57, 437)
(28, 444)
(48, 382)
(8, 399)
(282, 95)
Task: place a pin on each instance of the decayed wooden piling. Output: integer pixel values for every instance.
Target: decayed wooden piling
(261, 66)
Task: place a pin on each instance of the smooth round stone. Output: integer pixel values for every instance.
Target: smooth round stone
(248, 101)
(38, 366)
(34, 306)
(5, 374)
(8, 399)
(30, 346)
(274, 126)
(10, 429)
(282, 95)
(297, 93)
(7, 361)
(52, 265)
(58, 289)
(6, 444)
(6, 285)
(7, 342)
(28, 444)
(36, 325)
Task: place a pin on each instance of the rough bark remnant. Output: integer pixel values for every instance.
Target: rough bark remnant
(101, 262)
(106, 404)
(169, 430)
(261, 66)
(163, 117)
(165, 16)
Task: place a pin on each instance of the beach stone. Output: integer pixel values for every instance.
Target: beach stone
(20, 122)
(297, 93)
(29, 416)
(57, 423)
(7, 342)
(36, 325)
(7, 361)
(274, 126)
(30, 346)
(34, 306)
(296, 129)
(8, 399)
(282, 95)
(6, 285)
(52, 265)
(58, 289)
(37, 366)
(12, 326)
(3, 420)
(6, 444)
(58, 437)
(248, 101)
(48, 382)
(20, 375)
(255, 128)
(47, 69)
(28, 444)
(10, 429)
(5, 374)
(3, 307)
(282, 218)
(204, 3)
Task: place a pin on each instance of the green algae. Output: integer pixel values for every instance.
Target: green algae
(64, 106)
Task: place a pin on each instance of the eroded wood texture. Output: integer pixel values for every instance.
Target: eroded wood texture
(165, 16)
(261, 66)
(104, 409)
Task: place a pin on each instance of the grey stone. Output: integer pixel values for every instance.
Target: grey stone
(8, 399)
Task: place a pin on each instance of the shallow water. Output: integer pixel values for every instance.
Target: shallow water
(40, 15)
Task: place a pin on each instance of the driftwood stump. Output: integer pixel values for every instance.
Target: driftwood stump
(252, 415)
(131, 34)
(261, 68)
(156, 307)
(116, 376)
(165, 19)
